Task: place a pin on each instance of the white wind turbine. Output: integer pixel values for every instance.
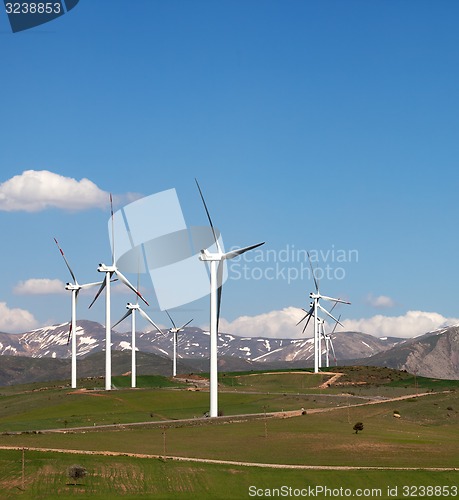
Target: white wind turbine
(216, 261)
(313, 312)
(132, 308)
(327, 337)
(109, 272)
(329, 343)
(75, 288)
(174, 330)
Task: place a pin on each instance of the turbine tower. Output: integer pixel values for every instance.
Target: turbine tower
(75, 288)
(132, 308)
(174, 330)
(329, 341)
(216, 261)
(313, 312)
(109, 272)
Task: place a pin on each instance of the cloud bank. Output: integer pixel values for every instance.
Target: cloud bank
(274, 324)
(36, 190)
(39, 286)
(16, 320)
(411, 324)
(282, 324)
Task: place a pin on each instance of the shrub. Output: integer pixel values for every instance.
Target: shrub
(358, 427)
(76, 472)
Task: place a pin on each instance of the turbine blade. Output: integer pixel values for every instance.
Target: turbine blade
(333, 349)
(102, 286)
(336, 324)
(313, 273)
(208, 216)
(239, 251)
(307, 322)
(186, 324)
(138, 280)
(66, 261)
(330, 315)
(89, 285)
(172, 321)
(70, 332)
(123, 318)
(145, 316)
(113, 229)
(306, 315)
(129, 285)
(219, 290)
(340, 301)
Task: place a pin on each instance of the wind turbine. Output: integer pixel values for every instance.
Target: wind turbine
(109, 272)
(75, 288)
(174, 330)
(216, 261)
(132, 308)
(313, 312)
(329, 343)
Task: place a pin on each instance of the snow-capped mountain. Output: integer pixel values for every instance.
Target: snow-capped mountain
(52, 341)
(434, 354)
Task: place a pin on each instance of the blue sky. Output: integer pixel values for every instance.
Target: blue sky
(319, 125)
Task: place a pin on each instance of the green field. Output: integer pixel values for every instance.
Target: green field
(425, 436)
(109, 477)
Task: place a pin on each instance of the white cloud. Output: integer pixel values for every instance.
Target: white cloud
(274, 324)
(36, 190)
(282, 324)
(39, 286)
(380, 302)
(16, 320)
(411, 324)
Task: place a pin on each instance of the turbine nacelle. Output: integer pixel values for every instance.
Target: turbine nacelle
(72, 287)
(208, 256)
(106, 269)
(175, 330)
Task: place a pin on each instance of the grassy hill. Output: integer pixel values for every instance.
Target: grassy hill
(424, 435)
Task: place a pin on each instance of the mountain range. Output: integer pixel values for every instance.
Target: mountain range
(434, 354)
(52, 341)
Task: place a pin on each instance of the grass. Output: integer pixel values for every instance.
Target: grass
(275, 382)
(64, 408)
(146, 381)
(426, 435)
(109, 477)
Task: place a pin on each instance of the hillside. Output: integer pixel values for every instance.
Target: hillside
(434, 354)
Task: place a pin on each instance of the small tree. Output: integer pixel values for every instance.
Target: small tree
(76, 472)
(358, 427)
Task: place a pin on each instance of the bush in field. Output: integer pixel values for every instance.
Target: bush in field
(358, 427)
(76, 472)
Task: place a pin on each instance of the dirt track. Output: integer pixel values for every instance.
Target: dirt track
(223, 462)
